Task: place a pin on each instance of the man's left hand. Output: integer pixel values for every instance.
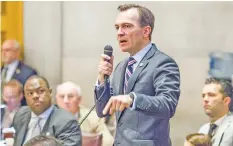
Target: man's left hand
(117, 103)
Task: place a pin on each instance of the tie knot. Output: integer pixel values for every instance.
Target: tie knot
(213, 126)
(131, 61)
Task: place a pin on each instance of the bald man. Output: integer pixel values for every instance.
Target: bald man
(69, 97)
(13, 68)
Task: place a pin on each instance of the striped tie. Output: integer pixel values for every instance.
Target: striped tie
(129, 71)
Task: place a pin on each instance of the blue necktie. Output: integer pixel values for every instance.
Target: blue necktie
(129, 71)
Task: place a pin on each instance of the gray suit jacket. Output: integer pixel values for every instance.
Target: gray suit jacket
(156, 83)
(59, 124)
(224, 133)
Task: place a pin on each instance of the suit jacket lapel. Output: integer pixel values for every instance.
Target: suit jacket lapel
(17, 71)
(23, 125)
(141, 66)
(47, 125)
(122, 78)
(222, 128)
(121, 83)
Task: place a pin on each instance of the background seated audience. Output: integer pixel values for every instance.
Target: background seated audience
(217, 97)
(68, 96)
(13, 68)
(12, 95)
(42, 117)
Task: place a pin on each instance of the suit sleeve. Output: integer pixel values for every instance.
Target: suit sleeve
(102, 93)
(70, 134)
(166, 82)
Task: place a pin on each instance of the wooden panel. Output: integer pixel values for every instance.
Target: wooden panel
(12, 21)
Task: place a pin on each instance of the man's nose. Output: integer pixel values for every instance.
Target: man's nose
(120, 32)
(205, 99)
(35, 95)
(66, 100)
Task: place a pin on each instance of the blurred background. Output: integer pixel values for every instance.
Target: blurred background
(63, 41)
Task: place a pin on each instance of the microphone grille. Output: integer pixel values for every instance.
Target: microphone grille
(108, 50)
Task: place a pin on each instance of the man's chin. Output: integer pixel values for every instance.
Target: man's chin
(124, 48)
(208, 112)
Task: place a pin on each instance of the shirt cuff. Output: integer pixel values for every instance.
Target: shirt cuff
(133, 106)
(98, 85)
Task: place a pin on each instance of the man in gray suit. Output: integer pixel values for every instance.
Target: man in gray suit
(217, 94)
(145, 87)
(40, 117)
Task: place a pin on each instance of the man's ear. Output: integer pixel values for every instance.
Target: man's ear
(50, 91)
(147, 31)
(227, 100)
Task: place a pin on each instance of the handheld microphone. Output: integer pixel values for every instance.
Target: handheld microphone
(107, 51)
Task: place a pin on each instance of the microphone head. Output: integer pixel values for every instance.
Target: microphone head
(108, 50)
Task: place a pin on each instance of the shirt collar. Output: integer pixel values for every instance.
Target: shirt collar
(45, 114)
(139, 55)
(13, 64)
(220, 120)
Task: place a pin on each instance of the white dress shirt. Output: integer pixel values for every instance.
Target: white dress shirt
(11, 69)
(44, 116)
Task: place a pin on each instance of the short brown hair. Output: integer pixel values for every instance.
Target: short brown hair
(226, 85)
(199, 139)
(14, 84)
(146, 17)
(42, 140)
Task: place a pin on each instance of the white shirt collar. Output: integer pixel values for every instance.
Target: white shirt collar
(13, 64)
(45, 114)
(220, 120)
(139, 55)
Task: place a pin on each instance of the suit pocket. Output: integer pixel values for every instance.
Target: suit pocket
(143, 143)
(130, 134)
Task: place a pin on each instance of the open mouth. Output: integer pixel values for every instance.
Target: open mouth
(123, 41)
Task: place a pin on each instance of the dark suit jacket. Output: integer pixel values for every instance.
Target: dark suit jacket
(156, 83)
(59, 124)
(22, 73)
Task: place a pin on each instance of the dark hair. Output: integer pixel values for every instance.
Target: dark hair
(42, 140)
(226, 85)
(39, 77)
(198, 139)
(146, 17)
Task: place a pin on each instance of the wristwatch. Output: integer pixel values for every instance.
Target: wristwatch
(131, 95)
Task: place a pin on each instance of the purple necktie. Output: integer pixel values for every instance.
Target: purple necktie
(129, 71)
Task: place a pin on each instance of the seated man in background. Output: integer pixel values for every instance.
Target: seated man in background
(12, 96)
(197, 139)
(217, 96)
(42, 140)
(13, 68)
(68, 96)
(41, 117)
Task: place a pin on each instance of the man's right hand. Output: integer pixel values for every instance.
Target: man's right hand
(105, 67)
